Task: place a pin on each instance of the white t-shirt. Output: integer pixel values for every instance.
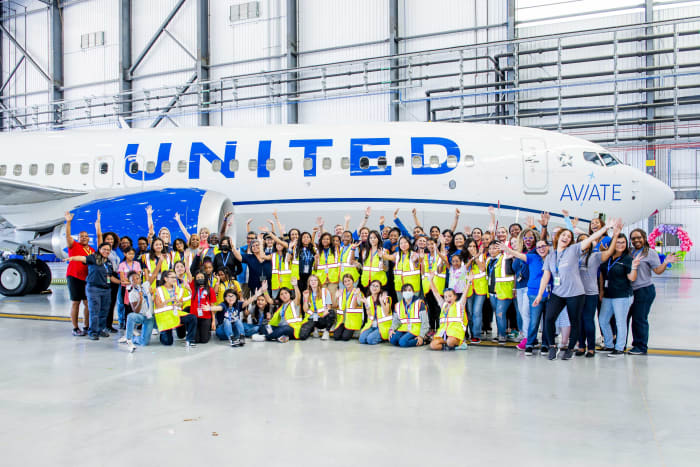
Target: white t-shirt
(147, 304)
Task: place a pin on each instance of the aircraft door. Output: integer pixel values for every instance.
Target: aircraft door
(104, 172)
(535, 165)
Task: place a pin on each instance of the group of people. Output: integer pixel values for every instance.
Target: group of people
(438, 287)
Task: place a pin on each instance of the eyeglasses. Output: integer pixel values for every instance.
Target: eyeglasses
(541, 247)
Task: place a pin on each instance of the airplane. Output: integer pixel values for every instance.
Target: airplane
(303, 172)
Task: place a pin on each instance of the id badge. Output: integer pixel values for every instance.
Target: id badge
(557, 281)
(605, 284)
(269, 329)
(315, 317)
(199, 312)
(307, 269)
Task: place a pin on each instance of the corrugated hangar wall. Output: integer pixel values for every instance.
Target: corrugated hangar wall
(624, 74)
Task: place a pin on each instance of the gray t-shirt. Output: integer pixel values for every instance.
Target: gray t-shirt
(647, 263)
(589, 274)
(564, 264)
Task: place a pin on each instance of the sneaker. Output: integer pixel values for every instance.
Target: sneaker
(235, 342)
(528, 351)
(606, 349)
(155, 332)
(112, 329)
(104, 333)
(494, 339)
(132, 347)
(502, 340)
(93, 337)
(315, 334)
(122, 340)
(261, 338)
(462, 346)
(552, 354)
(190, 345)
(522, 344)
(513, 336)
(86, 331)
(636, 351)
(616, 353)
(475, 340)
(543, 350)
(122, 327)
(326, 335)
(283, 339)
(567, 354)
(590, 354)
(580, 352)
(78, 333)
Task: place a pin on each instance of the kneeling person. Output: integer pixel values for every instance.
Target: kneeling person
(169, 315)
(287, 320)
(378, 305)
(410, 323)
(141, 303)
(453, 319)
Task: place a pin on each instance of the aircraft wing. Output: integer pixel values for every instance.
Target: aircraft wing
(13, 192)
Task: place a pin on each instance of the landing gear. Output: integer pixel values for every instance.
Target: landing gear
(21, 277)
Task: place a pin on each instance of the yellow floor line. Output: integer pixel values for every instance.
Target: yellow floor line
(665, 352)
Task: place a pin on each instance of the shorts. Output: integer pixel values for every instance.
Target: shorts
(76, 289)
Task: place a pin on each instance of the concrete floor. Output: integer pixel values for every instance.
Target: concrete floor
(70, 401)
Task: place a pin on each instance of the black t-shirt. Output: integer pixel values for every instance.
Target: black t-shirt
(256, 269)
(615, 280)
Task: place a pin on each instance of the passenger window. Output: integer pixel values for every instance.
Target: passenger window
(134, 168)
(165, 167)
(270, 165)
(33, 169)
(65, 169)
(434, 162)
(182, 166)
(451, 161)
(326, 163)
(287, 164)
(416, 162)
(252, 164)
(3, 170)
(150, 167)
(592, 157)
(216, 165)
(17, 170)
(381, 162)
(364, 162)
(308, 163)
(233, 165)
(398, 162)
(468, 160)
(344, 163)
(104, 168)
(84, 168)
(49, 169)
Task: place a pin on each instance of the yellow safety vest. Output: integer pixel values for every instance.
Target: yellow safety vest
(168, 316)
(372, 270)
(480, 283)
(317, 304)
(187, 295)
(347, 254)
(224, 286)
(281, 272)
(410, 319)
(376, 312)
(453, 322)
(151, 264)
(433, 264)
(504, 284)
(350, 317)
(295, 264)
(327, 267)
(406, 273)
(291, 316)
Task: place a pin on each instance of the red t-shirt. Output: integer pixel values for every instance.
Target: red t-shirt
(76, 268)
(208, 297)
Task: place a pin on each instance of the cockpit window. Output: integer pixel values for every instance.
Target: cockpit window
(609, 159)
(592, 157)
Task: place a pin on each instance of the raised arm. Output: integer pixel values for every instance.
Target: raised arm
(80, 259)
(670, 259)
(69, 239)
(279, 224)
(98, 228)
(149, 216)
(492, 224)
(346, 226)
(253, 297)
(364, 219)
(544, 222)
(182, 227)
(297, 292)
(456, 221)
(247, 225)
(599, 234)
(434, 289)
(607, 253)
(505, 248)
(414, 213)
(275, 237)
(632, 276)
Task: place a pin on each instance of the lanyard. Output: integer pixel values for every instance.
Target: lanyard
(131, 268)
(445, 310)
(211, 281)
(345, 250)
(326, 253)
(492, 265)
(430, 262)
(279, 268)
(557, 260)
(348, 295)
(145, 298)
(374, 308)
(284, 310)
(226, 258)
(610, 266)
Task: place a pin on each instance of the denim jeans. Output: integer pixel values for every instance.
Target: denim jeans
(619, 307)
(120, 307)
(148, 323)
(500, 307)
(586, 338)
(639, 314)
(534, 319)
(523, 307)
(403, 339)
(277, 332)
(98, 307)
(235, 329)
(475, 305)
(372, 336)
(190, 324)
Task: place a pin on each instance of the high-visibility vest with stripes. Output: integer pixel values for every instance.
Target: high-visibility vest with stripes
(372, 269)
(187, 295)
(295, 264)
(348, 313)
(292, 315)
(317, 304)
(222, 287)
(151, 264)
(281, 272)
(327, 268)
(406, 273)
(433, 264)
(168, 315)
(479, 283)
(375, 312)
(347, 254)
(453, 321)
(504, 284)
(410, 318)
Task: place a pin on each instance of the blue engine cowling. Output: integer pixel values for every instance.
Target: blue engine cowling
(126, 215)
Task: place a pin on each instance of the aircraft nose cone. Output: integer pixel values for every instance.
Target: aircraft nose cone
(660, 195)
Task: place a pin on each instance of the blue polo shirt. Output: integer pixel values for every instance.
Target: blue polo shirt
(98, 275)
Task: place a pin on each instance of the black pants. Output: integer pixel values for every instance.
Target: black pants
(203, 330)
(303, 281)
(574, 307)
(342, 334)
(114, 291)
(188, 324)
(324, 323)
(512, 316)
(433, 311)
(486, 315)
(586, 338)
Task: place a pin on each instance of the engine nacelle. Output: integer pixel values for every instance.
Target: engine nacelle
(126, 215)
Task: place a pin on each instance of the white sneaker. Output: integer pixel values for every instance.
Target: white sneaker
(155, 332)
(122, 340)
(258, 338)
(137, 332)
(326, 335)
(190, 345)
(132, 347)
(315, 333)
